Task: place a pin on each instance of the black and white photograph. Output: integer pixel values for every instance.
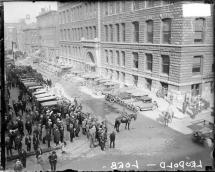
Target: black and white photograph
(107, 85)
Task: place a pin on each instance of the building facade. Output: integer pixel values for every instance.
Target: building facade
(31, 39)
(14, 33)
(150, 44)
(79, 26)
(47, 22)
(10, 35)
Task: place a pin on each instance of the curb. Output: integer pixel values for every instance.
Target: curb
(33, 153)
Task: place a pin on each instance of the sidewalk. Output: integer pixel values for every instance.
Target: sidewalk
(180, 125)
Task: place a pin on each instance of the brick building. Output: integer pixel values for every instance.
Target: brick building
(10, 35)
(47, 22)
(31, 39)
(149, 44)
(79, 24)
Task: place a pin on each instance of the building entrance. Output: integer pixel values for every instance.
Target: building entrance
(90, 65)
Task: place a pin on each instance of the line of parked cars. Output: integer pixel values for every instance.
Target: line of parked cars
(133, 101)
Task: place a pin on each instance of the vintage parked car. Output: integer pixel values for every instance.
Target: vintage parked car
(144, 103)
(125, 95)
(204, 131)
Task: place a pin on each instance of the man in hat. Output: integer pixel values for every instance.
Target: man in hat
(23, 156)
(112, 139)
(71, 131)
(67, 122)
(18, 166)
(56, 133)
(28, 126)
(53, 160)
(35, 142)
(20, 126)
(18, 143)
(28, 142)
(48, 136)
(38, 153)
(36, 131)
(8, 144)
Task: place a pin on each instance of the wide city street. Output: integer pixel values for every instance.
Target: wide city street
(148, 145)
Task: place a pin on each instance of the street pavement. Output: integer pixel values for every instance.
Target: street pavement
(147, 143)
(146, 138)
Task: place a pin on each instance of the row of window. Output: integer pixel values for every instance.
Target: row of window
(165, 61)
(76, 34)
(71, 51)
(120, 29)
(111, 8)
(120, 60)
(120, 56)
(120, 33)
(82, 11)
(109, 73)
(116, 32)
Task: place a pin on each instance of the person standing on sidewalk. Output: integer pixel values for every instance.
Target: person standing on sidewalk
(56, 133)
(35, 142)
(44, 134)
(23, 156)
(48, 137)
(28, 142)
(28, 126)
(18, 166)
(71, 131)
(53, 160)
(20, 126)
(112, 139)
(8, 144)
(38, 153)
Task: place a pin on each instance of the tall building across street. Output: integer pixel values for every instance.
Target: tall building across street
(151, 44)
(47, 22)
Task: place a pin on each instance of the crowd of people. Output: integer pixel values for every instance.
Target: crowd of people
(30, 124)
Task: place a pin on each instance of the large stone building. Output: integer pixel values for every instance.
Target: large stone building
(10, 35)
(14, 33)
(47, 22)
(79, 34)
(31, 39)
(149, 44)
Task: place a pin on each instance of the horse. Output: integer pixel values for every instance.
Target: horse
(124, 119)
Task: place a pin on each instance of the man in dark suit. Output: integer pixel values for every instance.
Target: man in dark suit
(53, 160)
(112, 139)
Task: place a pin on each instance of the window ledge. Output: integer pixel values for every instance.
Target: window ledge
(164, 75)
(196, 75)
(135, 69)
(148, 71)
